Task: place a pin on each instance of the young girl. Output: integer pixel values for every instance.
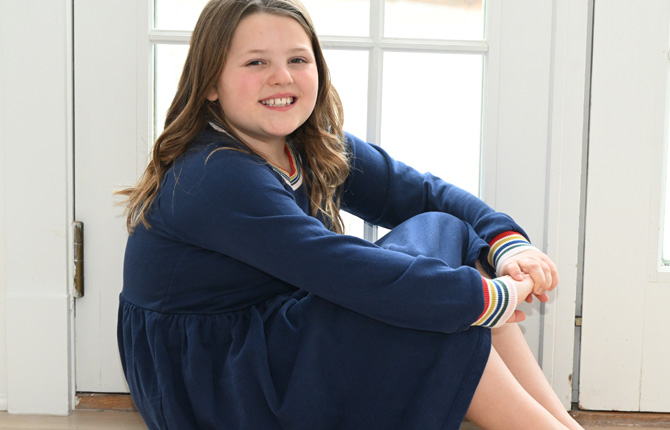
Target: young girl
(244, 305)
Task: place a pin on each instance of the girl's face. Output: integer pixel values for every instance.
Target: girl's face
(269, 83)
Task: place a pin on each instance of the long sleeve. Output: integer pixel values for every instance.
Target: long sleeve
(386, 192)
(233, 204)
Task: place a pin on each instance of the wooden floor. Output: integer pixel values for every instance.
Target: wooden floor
(612, 421)
(83, 420)
(108, 420)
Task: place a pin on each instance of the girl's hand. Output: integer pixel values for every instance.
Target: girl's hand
(538, 266)
(524, 290)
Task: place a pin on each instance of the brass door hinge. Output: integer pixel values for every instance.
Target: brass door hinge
(78, 235)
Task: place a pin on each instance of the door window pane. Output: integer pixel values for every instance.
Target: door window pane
(340, 17)
(169, 62)
(177, 14)
(431, 114)
(435, 19)
(349, 74)
(331, 17)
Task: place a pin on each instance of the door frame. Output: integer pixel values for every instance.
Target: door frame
(36, 148)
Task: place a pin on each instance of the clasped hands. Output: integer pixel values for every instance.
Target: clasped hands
(534, 274)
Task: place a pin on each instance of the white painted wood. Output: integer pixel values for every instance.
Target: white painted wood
(39, 355)
(36, 142)
(569, 111)
(515, 180)
(109, 127)
(624, 344)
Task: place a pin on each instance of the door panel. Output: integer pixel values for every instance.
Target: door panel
(114, 111)
(106, 153)
(625, 346)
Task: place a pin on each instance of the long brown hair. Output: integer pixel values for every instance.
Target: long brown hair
(320, 140)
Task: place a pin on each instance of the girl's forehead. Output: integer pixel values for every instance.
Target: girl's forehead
(266, 28)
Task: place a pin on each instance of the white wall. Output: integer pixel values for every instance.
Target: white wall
(36, 148)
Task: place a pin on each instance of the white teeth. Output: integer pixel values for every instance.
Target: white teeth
(285, 101)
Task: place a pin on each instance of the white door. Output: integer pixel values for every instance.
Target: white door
(128, 55)
(111, 141)
(625, 340)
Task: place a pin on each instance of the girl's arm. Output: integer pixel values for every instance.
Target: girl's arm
(386, 192)
(233, 204)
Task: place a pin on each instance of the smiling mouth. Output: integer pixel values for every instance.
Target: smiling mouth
(280, 102)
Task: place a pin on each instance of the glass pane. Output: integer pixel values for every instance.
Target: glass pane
(177, 14)
(434, 123)
(349, 73)
(169, 62)
(328, 16)
(434, 19)
(340, 17)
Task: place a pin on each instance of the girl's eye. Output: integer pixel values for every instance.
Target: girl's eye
(298, 60)
(255, 63)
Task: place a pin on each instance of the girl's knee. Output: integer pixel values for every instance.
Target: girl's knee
(434, 234)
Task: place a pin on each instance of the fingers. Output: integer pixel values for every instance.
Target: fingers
(542, 297)
(518, 316)
(514, 271)
(541, 269)
(540, 273)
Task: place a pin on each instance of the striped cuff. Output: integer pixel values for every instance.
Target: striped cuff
(499, 303)
(506, 245)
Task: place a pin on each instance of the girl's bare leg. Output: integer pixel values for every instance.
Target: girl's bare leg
(501, 403)
(512, 347)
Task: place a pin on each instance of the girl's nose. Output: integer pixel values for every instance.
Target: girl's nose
(281, 75)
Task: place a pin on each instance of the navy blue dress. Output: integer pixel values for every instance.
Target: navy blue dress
(239, 310)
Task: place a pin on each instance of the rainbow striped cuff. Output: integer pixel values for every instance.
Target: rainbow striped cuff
(506, 245)
(499, 303)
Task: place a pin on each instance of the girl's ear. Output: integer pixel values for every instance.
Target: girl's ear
(212, 95)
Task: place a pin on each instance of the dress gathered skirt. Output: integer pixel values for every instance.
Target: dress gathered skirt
(242, 311)
(300, 362)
